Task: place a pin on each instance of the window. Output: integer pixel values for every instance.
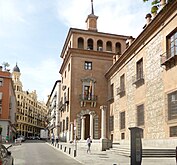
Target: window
(122, 120)
(173, 131)
(123, 135)
(60, 126)
(80, 43)
(68, 67)
(100, 45)
(172, 105)
(1, 81)
(139, 69)
(118, 48)
(122, 82)
(67, 120)
(140, 115)
(111, 96)
(172, 44)
(111, 123)
(90, 44)
(86, 92)
(121, 89)
(0, 96)
(138, 79)
(109, 46)
(63, 125)
(88, 65)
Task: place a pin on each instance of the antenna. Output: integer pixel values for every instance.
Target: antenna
(92, 7)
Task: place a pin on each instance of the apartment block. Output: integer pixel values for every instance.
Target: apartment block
(31, 113)
(53, 114)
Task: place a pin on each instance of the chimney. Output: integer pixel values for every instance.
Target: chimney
(148, 18)
(162, 3)
(114, 59)
(130, 40)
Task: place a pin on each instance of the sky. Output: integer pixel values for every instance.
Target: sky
(33, 32)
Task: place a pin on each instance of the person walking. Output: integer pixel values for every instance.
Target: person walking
(56, 139)
(53, 138)
(89, 141)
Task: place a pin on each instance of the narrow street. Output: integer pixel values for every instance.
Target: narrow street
(39, 153)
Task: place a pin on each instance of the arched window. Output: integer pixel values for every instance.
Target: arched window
(109, 46)
(80, 43)
(100, 45)
(118, 48)
(90, 44)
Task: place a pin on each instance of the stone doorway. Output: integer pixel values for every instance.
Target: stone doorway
(87, 126)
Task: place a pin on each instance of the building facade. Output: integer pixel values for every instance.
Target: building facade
(53, 115)
(31, 113)
(144, 84)
(87, 55)
(8, 106)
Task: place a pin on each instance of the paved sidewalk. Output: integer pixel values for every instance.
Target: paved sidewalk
(109, 157)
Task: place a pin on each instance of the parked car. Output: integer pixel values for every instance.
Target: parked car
(22, 138)
(5, 155)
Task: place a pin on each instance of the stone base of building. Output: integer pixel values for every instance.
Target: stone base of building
(152, 143)
(105, 144)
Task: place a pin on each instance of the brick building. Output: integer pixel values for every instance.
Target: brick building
(87, 55)
(8, 106)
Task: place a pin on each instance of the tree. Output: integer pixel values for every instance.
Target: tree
(5, 64)
(155, 5)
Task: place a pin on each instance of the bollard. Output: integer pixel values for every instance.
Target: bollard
(65, 149)
(74, 153)
(57, 145)
(176, 155)
(60, 147)
(69, 150)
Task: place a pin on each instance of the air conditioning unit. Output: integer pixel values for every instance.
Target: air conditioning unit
(100, 48)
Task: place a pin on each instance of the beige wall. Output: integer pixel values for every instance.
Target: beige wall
(153, 93)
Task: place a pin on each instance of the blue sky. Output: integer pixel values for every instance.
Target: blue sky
(32, 33)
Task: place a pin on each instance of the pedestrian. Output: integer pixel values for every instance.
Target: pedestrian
(89, 141)
(52, 138)
(56, 139)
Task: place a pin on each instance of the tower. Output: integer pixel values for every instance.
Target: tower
(92, 20)
(16, 78)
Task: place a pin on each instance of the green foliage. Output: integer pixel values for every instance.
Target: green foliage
(5, 64)
(154, 9)
(155, 5)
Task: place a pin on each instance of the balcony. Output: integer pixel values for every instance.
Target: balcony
(121, 91)
(88, 99)
(169, 58)
(61, 106)
(138, 80)
(66, 100)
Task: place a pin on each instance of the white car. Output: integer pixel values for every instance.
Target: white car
(21, 138)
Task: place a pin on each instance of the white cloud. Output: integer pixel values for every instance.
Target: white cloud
(115, 16)
(40, 77)
(9, 12)
(123, 17)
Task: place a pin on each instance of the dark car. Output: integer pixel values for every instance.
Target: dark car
(5, 156)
